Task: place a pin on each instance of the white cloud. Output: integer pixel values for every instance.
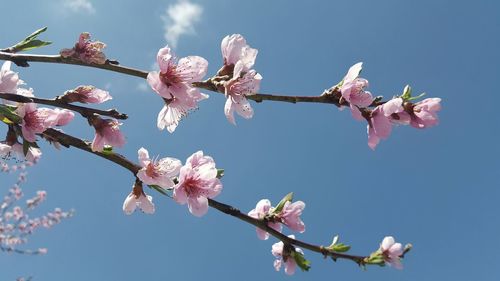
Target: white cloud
(79, 6)
(180, 19)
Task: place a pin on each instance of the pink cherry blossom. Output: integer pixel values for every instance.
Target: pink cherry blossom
(86, 50)
(236, 91)
(290, 215)
(236, 51)
(261, 211)
(86, 94)
(352, 88)
(391, 251)
(197, 182)
(157, 172)
(9, 80)
(283, 257)
(107, 132)
(173, 84)
(245, 81)
(425, 113)
(35, 121)
(142, 201)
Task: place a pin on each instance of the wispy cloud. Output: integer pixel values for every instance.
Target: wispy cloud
(79, 6)
(180, 19)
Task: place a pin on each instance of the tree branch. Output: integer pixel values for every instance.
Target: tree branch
(68, 140)
(331, 96)
(86, 112)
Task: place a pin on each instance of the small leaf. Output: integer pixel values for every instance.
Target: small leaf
(417, 97)
(108, 149)
(35, 34)
(31, 42)
(5, 120)
(32, 45)
(8, 112)
(406, 93)
(281, 204)
(338, 247)
(220, 173)
(26, 147)
(301, 261)
(341, 248)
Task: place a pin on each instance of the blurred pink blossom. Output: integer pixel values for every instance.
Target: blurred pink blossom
(86, 50)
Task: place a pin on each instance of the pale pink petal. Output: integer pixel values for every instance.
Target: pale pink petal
(64, 116)
(231, 48)
(243, 107)
(381, 124)
(353, 72)
(180, 195)
(361, 99)
(356, 114)
(192, 68)
(143, 157)
(129, 204)
(164, 58)
(277, 264)
(157, 85)
(229, 110)
(198, 206)
(387, 243)
(146, 204)
(373, 139)
(98, 143)
(290, 266)
(261, 234)
(392, 106)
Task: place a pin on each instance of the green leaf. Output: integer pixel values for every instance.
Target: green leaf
(341, 248)
(220, 173)
(31, 42)
(406, 93)
(338, 247)
(417, 97)
(108, 149)
(26, 147)
(8, 112)
(301, 261)
(281, 204)
(375, 258)
(35, 34)
(32, 45)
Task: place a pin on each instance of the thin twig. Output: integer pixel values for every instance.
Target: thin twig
(86, 112)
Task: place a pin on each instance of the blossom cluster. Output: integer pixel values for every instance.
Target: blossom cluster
(192, 183)
(285, 213)
(15, 222)
(33, 120)
(175, 78)
(400, 110)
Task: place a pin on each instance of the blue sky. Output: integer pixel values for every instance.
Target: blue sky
(435, 188)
